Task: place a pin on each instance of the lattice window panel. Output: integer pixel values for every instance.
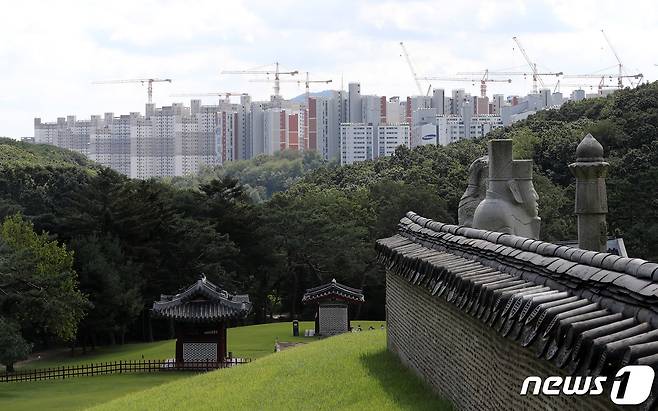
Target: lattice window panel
(199, 352)
(333, 319)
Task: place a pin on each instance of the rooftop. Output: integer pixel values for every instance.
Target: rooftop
(203, 301)
(584, 310)
(333, 290)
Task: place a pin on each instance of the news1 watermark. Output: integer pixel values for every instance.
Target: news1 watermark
(630, 386)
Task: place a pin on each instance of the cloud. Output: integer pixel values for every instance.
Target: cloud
(52, 51)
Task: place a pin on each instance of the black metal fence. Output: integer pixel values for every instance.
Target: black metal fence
(118, 367)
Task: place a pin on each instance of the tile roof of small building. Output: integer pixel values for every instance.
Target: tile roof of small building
(203, 301)
(333, 290)
(585, 311)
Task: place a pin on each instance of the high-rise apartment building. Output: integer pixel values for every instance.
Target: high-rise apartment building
(354, 103)
(439, 100)
(457, 102)
(356, 143)
(419, 119)
(109, 141)
(390, 137)
(451, 128)
(372, 111)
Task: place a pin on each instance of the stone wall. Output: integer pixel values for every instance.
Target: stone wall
(464, 360)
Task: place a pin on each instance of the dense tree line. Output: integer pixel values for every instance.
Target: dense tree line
(262, 176)
(273, 226)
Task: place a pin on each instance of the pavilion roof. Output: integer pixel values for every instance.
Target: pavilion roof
(333, 290)
(203, 301)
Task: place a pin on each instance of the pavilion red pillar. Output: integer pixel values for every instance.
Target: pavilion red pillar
(221, 342)
(179, 345)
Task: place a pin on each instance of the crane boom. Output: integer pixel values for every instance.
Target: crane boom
(208, 94)
(621, 66)
(148, 81)
(533, 66)
(505, 73)
(483, 81)
(276, 73)
(306, 82)
(411, 67)
(603, 77)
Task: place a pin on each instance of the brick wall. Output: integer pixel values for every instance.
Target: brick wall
(463, 359)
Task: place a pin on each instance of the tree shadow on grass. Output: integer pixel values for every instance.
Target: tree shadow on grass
(405, 388)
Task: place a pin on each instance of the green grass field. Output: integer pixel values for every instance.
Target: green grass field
(251, 342)
(80, 392)
(346, 372)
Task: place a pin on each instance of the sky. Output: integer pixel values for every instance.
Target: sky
(51, 52)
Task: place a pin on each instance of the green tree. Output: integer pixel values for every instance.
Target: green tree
(112, 282)
(39, 286)
(13, 346)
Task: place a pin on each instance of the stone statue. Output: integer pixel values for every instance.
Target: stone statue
(475, 192)
(510, 203)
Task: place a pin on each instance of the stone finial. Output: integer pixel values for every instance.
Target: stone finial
(589, 150)
(591, 197)
(510, 204)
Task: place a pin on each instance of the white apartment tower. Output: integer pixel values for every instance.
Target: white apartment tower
(354, 103)
(390, 137)
(439, 100)
(356, 143)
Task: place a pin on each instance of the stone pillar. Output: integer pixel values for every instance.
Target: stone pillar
(591, 199)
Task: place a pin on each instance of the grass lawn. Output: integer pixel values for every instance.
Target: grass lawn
(77, 393)
(346, 372)
(80, 392)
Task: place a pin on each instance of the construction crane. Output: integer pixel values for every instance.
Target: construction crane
(226, 95)
(148, 81)
(559, 83)
(276, 73)
(483, 81)
(603, 77)
(306, 82)
(413, 71)
(620, 76)
(533, 66)
(486, 73)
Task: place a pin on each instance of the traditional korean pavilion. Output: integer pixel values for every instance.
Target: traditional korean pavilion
(333, 300)
(201, 313)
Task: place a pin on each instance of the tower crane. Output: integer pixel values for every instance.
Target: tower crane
(533, 66)
(483, 81)
(148, 81)
(603, 77)
(620, 75)
(306, 82)
(413, 71)
(276, 73)
(226, 95)
(486, 73)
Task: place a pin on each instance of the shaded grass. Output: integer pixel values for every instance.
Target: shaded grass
(350, 371)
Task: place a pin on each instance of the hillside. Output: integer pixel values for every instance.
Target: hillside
(350, 371)
(626, 124)
(15, 153)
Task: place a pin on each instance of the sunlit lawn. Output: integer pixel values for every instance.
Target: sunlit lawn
(346, 372)
(75, 393)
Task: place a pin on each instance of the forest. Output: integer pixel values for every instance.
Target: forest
(85, 251)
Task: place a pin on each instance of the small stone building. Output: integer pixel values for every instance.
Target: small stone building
(333, 300)
(201, 313)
